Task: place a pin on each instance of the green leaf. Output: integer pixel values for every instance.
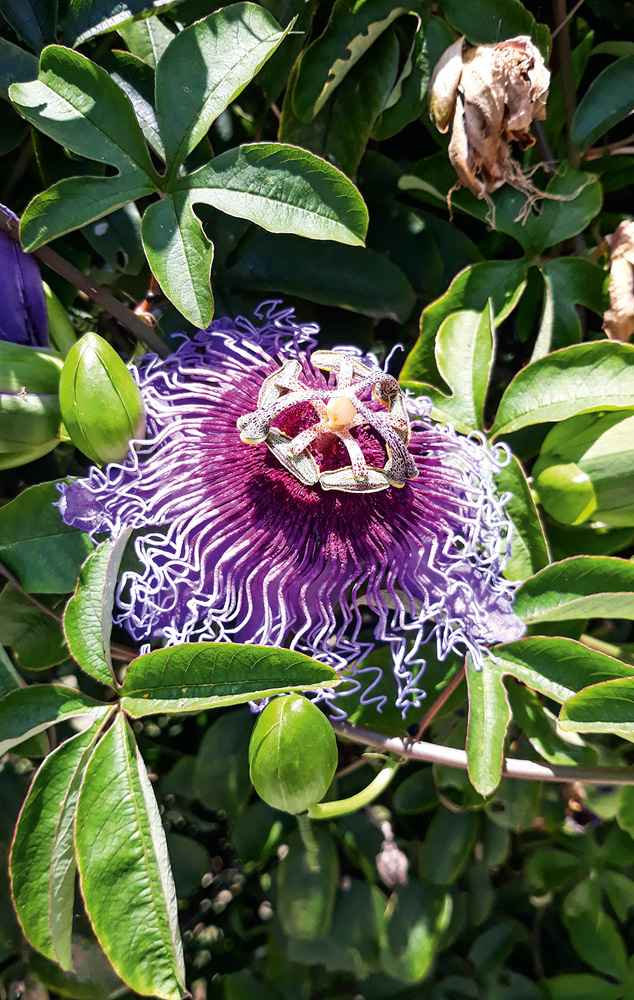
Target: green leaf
(500, 281)
(341, 130)
(118, 240)
(448, 845)
(10, 679)
(34, 633)
(195, 675)
(87, 18)
(136, 80)
(407, 101)
(16, 66)
(147, 38)
(580, 986)
(88, 615)
(581, 587)
(580, 379)
(570, 201)
(43, 855)
(416, 918)
(593, 934)
(540, 728)
(33, 22)
(221, 774)
(489, 716)
(124, 868)
(37, 547)
(495, 20)
(180, 256)
(205, 68)
(77, 104)
(307, 885)
(569, 282)
(529, 548)
(351, 30)
(334, 274)
(283, 189)
(602, 708)
(606, 102)
(464, 355)
(74, 202)
(30, 710)
(556, 667)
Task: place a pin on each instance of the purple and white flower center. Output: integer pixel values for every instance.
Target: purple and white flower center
(353, 437)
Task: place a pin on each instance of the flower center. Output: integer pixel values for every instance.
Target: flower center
(307, 428)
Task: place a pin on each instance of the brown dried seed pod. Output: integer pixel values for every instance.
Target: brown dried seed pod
(618, 321)
(490, 94)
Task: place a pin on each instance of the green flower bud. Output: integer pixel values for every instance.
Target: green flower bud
(101, 404)
(30, 418)
(586, 469)
(292, 754)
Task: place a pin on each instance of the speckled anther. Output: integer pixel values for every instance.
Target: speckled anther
(305, 427)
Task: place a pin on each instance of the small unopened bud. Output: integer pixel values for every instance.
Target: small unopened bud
(101, 403)
(586, 469)
(490, 94)
(392, 865)
(618, 321)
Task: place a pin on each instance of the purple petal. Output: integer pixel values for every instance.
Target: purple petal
(23, 317)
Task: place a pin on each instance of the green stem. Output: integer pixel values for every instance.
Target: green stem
(340, 807)
(308, 839)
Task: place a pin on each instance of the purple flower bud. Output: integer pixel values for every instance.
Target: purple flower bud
(23, 317)
(289, 498)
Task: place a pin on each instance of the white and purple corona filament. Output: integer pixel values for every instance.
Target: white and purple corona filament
(295, 497)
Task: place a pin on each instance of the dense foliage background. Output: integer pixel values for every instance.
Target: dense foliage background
(517, 889)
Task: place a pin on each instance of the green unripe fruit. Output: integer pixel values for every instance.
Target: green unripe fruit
(586, 469)
(307, 886)
(292, 754)
(101, 404)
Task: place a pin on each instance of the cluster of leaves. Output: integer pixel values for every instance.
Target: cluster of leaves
(285, 149)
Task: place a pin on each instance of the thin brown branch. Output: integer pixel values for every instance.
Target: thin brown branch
(512, 768)
(568, 18)
(444, 696)
(137, 327)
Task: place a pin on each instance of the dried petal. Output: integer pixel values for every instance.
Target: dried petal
(499, 92)
(618, 321)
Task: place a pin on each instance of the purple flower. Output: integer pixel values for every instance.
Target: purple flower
(23, 317)
(291, 496)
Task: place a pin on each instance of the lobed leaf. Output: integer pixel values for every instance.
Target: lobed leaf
(74, 202)
(283, 189)
(77, 104)
(580, 379)
(124, 869)
(195, 676)
(204, 69)
(180, 256)
(30, 710)
(580, 587)
(88, 615)
(43, 853)
(529, 547)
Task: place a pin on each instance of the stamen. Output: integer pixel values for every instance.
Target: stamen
(338, 410)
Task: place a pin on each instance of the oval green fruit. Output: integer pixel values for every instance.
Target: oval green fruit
(101, 404)
(292, 754)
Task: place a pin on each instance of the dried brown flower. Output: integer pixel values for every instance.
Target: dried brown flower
(618, 321)
(489, 95)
